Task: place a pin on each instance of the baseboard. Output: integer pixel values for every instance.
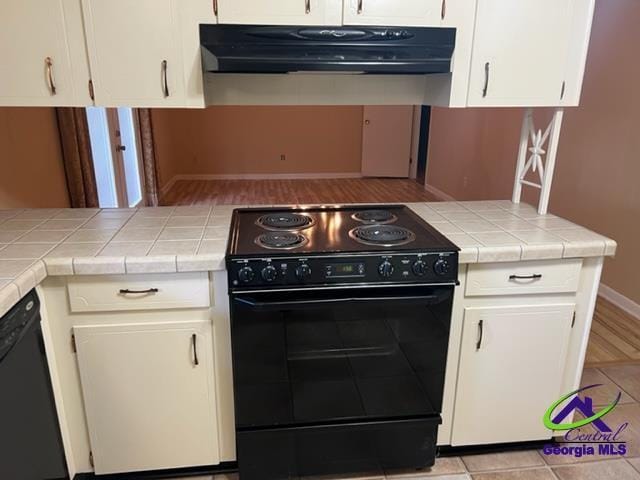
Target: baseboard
(167, 186)
(619, 300)
(439, 194)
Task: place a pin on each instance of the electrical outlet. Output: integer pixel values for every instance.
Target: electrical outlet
(283, 157)
(465, 182)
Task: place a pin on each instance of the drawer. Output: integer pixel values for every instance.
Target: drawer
(105, 293)
(522, 278)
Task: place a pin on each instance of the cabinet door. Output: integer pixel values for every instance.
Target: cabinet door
(149, 404)
(282, 12)
(420, 13)
(134, 50)
(510, 372)
(36, 68)
(520, 52)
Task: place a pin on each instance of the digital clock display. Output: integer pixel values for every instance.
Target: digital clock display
(345, 270)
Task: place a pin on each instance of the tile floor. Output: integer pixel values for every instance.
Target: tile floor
(533, 464)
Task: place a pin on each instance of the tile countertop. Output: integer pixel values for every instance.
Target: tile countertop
(35, 243)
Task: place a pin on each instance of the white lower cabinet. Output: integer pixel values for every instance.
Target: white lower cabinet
(149, 395)
(511, 370)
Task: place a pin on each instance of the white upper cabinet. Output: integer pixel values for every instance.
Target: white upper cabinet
(134, 49)
(521, 51)
(149, 395)
(43, 54)
(281, 12)
(418, 13)
(145, 53)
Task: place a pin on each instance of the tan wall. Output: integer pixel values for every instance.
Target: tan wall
(598, 169)
(31, 170)
(246, 140)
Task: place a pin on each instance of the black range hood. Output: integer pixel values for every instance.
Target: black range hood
(289, 49)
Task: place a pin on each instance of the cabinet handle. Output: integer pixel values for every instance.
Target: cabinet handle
(564, 86)
(49, 66)
(126, 291)
(443, 10)
(194, 344)
(360, 6)
(165, 83)
(307, 6)
(535, 276)
(486, 79)
(215, 7)
(480, 334)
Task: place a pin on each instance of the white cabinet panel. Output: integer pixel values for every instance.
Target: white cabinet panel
(281, 12)
(523, 278)
(149, 404)
(134, 50)
(103, 293)
(419, 13)
(520, 52)
(511, 371)
(32, 31)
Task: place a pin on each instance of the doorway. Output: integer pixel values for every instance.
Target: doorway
(115, 145)
(387, 138)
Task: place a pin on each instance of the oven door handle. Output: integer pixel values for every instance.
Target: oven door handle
(250, 302)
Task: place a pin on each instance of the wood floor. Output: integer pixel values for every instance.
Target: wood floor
(615, 335)
(261, 192)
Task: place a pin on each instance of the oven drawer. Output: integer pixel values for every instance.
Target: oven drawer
(522, 278)
(282, 453)
(106, 293)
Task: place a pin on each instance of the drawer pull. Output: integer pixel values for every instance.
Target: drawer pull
(360, 7)
(194, 344)
(126, 291)
(535, 276)
(480, 334)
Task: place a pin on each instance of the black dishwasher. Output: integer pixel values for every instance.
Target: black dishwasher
(30, 442)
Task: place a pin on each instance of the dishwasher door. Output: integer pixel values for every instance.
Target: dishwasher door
(30, 442)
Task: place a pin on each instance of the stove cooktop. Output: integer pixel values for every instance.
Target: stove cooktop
(334, 246)
(332, 230)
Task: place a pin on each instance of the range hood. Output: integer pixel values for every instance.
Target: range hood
(362, 50)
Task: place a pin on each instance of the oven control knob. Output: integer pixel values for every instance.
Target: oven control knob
(385, 269)
(246, 274)
(419, 268)
(303, 271)
(441, 267)
(269, 273)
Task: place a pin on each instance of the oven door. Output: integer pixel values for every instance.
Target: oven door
(336, 370)
(334, 355)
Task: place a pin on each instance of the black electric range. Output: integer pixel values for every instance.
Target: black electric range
(319, 246)
(340, 320)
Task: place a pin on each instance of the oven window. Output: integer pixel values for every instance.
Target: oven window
(330, 361)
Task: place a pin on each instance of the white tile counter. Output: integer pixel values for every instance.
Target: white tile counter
(40, 242)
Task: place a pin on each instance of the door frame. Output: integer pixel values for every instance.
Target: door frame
(117, 157)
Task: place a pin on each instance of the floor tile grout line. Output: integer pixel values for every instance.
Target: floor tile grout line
(617, 385)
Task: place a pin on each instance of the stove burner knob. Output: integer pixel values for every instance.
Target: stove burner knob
(269, 273)
(441, 267)
(303, 271)
(246, 274)
(385, 269)
(419, 268)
